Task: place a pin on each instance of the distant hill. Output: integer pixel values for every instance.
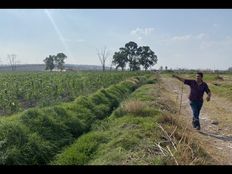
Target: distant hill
(41, 67)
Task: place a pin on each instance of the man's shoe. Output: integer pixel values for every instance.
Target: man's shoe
(198, 127)
(194, 123)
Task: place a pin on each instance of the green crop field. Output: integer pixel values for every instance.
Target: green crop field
(35, 135)
(22, 90)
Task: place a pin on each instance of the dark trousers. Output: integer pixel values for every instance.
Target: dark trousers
(196, 107)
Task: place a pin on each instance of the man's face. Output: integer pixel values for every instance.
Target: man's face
(198, 77)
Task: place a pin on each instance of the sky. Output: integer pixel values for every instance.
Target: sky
(181, 38)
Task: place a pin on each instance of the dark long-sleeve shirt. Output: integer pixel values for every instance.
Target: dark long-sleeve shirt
(196, 91)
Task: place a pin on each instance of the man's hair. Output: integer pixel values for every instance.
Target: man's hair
(200, 73)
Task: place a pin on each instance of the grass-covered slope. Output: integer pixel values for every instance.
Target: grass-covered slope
(36, 135)
(143, 130)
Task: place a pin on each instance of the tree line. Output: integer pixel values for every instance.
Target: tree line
(131, 54)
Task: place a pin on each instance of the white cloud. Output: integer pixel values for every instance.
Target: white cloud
(189, 37)
(141, 32)
(147, 31)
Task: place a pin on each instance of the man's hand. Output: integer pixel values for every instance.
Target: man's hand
(179, 78)
(208, 98)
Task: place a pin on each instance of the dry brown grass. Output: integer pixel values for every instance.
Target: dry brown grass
(219, 77)
(180, 144)
(135, 107)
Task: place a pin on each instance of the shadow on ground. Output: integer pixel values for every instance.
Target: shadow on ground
(224, 138)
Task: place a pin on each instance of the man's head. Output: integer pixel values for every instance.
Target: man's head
(199, 76)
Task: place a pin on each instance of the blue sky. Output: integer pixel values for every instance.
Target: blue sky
(181, 38)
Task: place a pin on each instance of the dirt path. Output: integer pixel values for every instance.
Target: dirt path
(215, 118)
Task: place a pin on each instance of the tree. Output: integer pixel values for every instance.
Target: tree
(131, 51)
(146, 56)
(59, 60)
(12, 60)
(119, 59)
(161, 68)
(49, 62)
(166, 68)
(134, 56)
(135, 64)
(230, 69)
(103, 55)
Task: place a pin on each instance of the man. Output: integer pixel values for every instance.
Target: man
(197, 89)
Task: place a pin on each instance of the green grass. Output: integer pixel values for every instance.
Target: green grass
(114, 144)
(220, 84)
(129, 137)
(119, 134)
(83, 132)
(20, 146)
(52, 128)
(83, 151)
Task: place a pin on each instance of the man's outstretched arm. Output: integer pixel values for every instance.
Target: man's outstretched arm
(208, 92)
(209, 96)
(179, 78)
